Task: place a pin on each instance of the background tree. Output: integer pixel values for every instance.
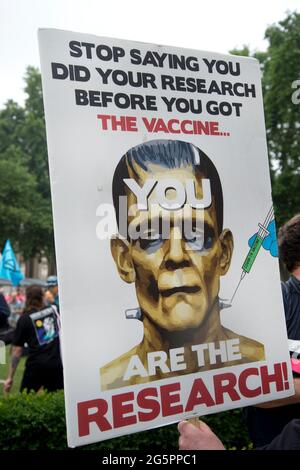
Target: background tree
(25, 203)
(34, 132)
(281, 69)
(280, 66)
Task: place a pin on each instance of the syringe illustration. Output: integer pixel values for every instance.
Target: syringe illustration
(253, 252)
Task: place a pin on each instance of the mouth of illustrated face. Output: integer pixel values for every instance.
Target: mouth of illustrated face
(180, 290)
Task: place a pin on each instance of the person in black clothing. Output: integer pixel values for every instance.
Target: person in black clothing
(289, 253)
(39, 328)
(267, 420)
(5, 330)
(4, 312)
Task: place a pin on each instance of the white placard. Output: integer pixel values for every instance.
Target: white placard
(178, 312)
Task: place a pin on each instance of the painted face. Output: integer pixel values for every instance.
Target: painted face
(176, 277)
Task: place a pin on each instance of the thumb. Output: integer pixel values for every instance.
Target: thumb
(181, 426)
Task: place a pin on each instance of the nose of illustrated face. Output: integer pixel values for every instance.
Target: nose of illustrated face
(176, 253)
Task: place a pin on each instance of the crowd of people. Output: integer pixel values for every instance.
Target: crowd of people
(34, 318)
(32, 321)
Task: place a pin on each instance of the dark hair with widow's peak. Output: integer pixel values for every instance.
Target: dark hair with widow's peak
(168, 154)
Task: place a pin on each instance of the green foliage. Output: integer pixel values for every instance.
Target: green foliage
(11, 122)
(283, 116)
(37, 422)
(25, 204)
(22, 191)
(280, 65)
(245, 51)
(230, 427)
(34, 131)
(30, 421)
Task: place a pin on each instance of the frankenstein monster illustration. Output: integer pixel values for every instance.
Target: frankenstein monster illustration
(173, 248)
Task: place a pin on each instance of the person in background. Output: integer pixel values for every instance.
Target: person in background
(289, 253)
(39, 328)
(16, 306)
(267, 420)
(4, 312)
(5, 329)
(51, 294)
(18, 294)
(48, 298)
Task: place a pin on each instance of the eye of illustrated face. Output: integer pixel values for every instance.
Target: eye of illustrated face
(195, 240)
(200, 241)
(150, 240)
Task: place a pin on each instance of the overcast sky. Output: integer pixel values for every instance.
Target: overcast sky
(199, 24)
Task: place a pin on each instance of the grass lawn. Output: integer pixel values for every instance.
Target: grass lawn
(18, 375)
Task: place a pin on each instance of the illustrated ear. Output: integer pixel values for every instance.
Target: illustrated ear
(226, 239)
(120, 249)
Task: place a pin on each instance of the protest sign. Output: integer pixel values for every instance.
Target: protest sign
(165, 237)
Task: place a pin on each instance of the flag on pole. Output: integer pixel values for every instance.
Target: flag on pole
(9, 267)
